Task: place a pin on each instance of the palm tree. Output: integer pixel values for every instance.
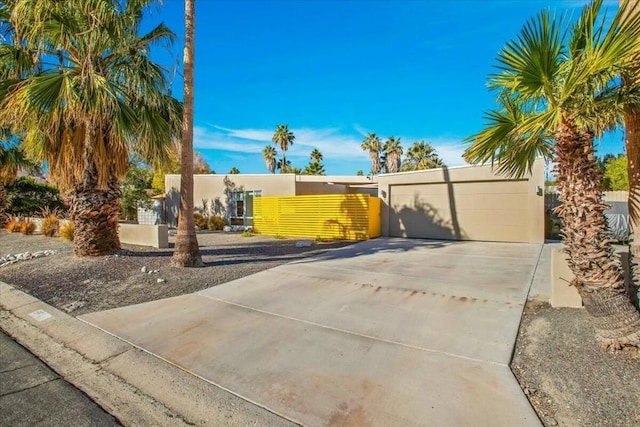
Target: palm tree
(558, 90)
(269, 155)
(316, 155)
(373, 145)
(632, 145)
(12, 158)
(283, 138)
(187, 251)
(420, 156)
(314, 168)
(234, 171)
(86, 112)
(393, 154)
(284, 166)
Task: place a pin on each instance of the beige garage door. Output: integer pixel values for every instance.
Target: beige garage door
(493, 211)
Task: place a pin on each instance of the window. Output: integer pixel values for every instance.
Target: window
(241, 203)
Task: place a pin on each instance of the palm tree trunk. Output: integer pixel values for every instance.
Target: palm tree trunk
(3, 205)
(632, 145)
(632, 125)
(375, 161)
(597, 270)
(95, 213)
(187, 252)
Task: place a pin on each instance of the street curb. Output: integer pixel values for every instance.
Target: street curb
(132, 385)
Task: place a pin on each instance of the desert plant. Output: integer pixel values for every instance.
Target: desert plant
(67, 231)
(47, 211)
(27, 227)
(247, 233)
(200, 221)
(216, 223)
(13, 225)
(50, 225)
(559, 88)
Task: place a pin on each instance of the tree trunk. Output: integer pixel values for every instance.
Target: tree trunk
(632, 126)
(632, 145)
(187, 251)
(587, 241)
(3, 205)
(95, 215)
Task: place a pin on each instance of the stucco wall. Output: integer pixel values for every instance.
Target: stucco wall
(211, 188)
(463, 203)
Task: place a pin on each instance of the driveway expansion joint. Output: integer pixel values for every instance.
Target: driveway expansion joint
(347, 332)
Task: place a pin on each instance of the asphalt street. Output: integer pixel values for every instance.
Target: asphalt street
(31, 394)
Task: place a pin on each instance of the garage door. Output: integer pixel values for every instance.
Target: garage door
(492, 211)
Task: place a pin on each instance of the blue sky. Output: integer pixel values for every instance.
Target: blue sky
(335, 70)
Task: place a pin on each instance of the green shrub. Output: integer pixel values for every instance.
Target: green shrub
(26, 197)
(216, 223)
(67, 231)
(247, 233)
(200, 221)
(28, 227)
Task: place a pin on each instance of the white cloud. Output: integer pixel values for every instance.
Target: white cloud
(362, 131)
(449, 150)
(251, 134)
(330, 141)
(204, 138)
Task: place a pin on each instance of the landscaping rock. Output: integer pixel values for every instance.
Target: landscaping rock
(304, 243)
(160, 281)
(144, 269)
(24, 256)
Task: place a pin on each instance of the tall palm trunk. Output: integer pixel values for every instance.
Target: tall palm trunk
(95, 213)
(187, 252)
(598, 273)
(632, 126)
(375, 161)
(632, 145)
(3, 204)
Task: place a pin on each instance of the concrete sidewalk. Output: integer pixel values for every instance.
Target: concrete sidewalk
(386, 332)
(136, 387)
(32, 394)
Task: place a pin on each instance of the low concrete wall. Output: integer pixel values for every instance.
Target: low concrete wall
(38, 223)
(564, 295)
(156, 236)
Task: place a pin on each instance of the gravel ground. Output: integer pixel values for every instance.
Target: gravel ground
(80, 285)
(569, 380)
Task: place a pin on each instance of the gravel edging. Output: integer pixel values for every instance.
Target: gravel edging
(568, 378)
(83, 285)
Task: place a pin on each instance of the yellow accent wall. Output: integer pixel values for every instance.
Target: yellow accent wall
(328, 216)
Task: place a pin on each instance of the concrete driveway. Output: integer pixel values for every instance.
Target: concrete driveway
(388, 332)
